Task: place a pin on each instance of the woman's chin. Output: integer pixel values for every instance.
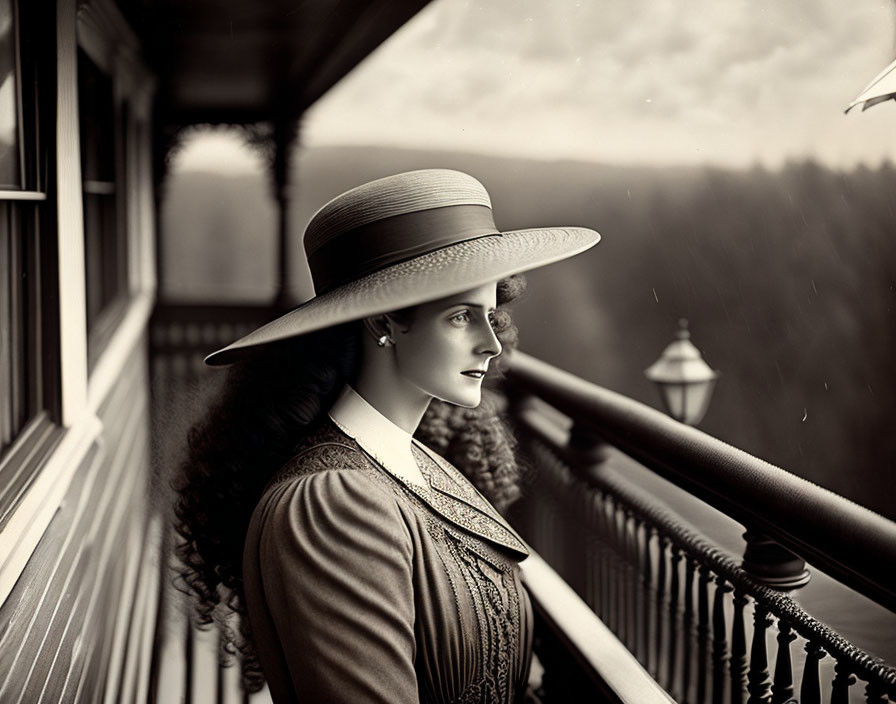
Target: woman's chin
(465, 400)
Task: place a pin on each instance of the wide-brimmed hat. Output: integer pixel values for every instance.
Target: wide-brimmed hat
(405, 240)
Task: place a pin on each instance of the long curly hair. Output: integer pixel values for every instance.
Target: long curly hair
(271, 402)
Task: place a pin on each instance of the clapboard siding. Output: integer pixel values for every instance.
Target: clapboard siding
(78, 623)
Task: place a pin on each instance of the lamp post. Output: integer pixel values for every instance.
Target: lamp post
(685, 381)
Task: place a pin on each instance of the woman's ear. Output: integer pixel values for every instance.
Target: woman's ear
(380, 328)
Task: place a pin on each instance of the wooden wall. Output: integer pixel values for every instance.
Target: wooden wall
(78, 625)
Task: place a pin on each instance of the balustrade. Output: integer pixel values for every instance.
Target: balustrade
(686, 608)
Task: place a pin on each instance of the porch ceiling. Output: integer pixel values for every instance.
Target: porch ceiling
(243, 61)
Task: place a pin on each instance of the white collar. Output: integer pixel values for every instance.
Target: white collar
(376, 434)
(448, 493)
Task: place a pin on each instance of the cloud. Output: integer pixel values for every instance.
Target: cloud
(644, 80)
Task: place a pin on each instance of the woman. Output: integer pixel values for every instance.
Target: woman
(371, 570)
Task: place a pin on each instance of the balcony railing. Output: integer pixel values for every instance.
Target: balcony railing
(644, 603)
(678, 601)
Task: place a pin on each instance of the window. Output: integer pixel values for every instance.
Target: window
(19, 345)
(103, 124)
(10, 124)
(28, 353)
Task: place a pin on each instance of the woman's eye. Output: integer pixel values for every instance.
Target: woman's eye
(460, 318)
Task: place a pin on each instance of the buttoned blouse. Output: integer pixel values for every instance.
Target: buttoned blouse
(362, 586)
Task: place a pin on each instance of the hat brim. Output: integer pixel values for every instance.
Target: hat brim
(443, 272)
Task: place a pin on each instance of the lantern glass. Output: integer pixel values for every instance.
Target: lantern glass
(685, 381)
(687, 402)
(674, 396)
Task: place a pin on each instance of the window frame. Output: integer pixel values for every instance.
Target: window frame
(112, 312)
(105, 37)
(30, 206)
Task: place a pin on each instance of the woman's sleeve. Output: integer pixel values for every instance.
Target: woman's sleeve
(337, 580)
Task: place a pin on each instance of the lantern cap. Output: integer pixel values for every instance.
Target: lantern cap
(681, 362)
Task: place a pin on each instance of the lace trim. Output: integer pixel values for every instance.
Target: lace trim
(452, 495)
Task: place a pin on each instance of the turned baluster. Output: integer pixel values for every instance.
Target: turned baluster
(810, 689)
(646, 592)
(688, 628)
(674, 614)
(612, 587)
(843, 680)
(703, 630)
(631, 592)
(576, 563)
(590, 451)
(604, 559)
(738, 649)
(641, 547)
(625, 578)
(782, 688)
(587, 560)
(758, 680)
(591, 551)
(875, 693)
(660, 607)
(719, 641)
(597, 540)
(619, 569)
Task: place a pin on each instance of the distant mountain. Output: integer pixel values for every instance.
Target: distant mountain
(788, 278)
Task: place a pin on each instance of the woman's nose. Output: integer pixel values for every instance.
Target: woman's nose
(490, 344)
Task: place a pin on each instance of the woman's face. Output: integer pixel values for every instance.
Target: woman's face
(445, 346)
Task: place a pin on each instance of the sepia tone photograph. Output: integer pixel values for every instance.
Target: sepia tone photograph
(447, 351)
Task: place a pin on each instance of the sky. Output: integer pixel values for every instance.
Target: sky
(657, 82)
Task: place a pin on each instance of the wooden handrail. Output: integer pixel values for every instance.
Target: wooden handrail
(843, 539)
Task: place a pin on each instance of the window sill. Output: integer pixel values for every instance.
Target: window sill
(36, 507)
(131, 318)
(23, 461)
(104, 328)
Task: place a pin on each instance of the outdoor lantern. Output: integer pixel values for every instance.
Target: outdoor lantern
(685, 381)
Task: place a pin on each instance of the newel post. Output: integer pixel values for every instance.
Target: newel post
(772, 564)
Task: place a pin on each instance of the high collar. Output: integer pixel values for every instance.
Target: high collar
(446, 490)
(379, 436)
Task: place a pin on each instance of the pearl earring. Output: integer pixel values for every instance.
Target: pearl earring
(384, 341)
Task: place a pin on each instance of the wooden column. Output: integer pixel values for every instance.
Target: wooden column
(285, 134)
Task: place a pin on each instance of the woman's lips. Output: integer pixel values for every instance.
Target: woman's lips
(474, 373)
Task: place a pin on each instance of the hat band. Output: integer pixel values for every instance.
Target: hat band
(376, 245)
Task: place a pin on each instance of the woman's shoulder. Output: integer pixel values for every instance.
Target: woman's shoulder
(330, 486)
(331, 466)
(330, 470)
(325, 448)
